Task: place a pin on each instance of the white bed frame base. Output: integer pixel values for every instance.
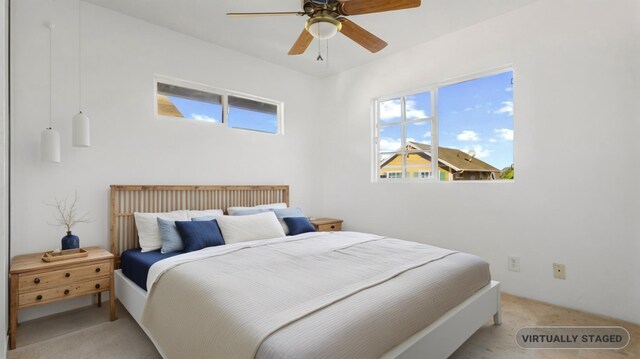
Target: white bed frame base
(438, 340)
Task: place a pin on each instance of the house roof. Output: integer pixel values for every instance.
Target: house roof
(454, 158)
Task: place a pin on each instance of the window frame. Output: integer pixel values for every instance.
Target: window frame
(433, 89)
(224, 94)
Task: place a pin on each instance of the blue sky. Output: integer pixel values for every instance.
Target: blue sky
(474, 116)
(238, 118)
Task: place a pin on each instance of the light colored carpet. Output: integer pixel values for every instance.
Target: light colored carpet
(87, 333)
(83, 333)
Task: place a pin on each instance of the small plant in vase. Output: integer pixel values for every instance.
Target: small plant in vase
(67, 216)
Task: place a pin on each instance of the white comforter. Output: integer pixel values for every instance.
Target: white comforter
(331, 295)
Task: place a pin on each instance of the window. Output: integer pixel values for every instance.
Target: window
(183, 102)
(467, 125)
(178, 99)
(252, 115)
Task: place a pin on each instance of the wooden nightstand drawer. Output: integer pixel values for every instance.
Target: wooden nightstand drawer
(330, 227)
(67, 291)
(327, 224)
(44, 280)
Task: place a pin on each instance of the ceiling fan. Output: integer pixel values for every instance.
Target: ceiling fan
(328, 17)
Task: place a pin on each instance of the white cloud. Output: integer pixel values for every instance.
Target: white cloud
(467, 135)
(413, 112)
(389, 144)
(393, 108)
(504, 133)
(427, 134)
(507, 107)
(509, 89)
(493, 140)
(201, 117)
(480, 152)
(390, 109)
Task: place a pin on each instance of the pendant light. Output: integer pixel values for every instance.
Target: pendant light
(81, 125)
(50, 138)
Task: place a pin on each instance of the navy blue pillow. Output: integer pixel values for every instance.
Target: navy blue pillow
(199, 234)
(298, 225)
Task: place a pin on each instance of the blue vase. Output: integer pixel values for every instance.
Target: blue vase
(70, 241)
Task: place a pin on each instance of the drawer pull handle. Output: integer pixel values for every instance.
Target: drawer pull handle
(39, 297)
(36, 281)
(98, 270)
(98, 286)
(332, 227)
(66, 292)
(67, 275)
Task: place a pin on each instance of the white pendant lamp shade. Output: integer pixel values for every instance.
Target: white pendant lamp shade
(81, 130)
(50, 140)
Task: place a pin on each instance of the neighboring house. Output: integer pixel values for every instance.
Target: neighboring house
(453, 165)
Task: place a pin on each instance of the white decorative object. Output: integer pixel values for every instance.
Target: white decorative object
(50, 145)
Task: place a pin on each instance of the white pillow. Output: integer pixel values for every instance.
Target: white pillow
(237, 229)
(205, 213)
(260, 206)
(148, 230)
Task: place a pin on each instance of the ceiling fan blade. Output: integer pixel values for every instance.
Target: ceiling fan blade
(363, 37)
(359, 7)
(301, 44)
(252, 14)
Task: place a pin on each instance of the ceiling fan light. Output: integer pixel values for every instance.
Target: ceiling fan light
(323, 27)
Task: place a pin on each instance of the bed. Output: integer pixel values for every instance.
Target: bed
(443, 326)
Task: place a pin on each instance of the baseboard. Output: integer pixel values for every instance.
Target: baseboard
(5, 346)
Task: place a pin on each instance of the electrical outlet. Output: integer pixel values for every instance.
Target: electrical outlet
(513, 264)
(559, 271)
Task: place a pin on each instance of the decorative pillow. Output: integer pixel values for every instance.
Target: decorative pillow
(287, 212)
(249, 211)
(171, 241)
(148, 230)
(206, 213)
(199, 234)
(205, 218)
(237, 229)
(298, 225)
(231, 210)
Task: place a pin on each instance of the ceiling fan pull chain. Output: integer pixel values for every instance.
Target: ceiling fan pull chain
(327, 54)
(319, 58)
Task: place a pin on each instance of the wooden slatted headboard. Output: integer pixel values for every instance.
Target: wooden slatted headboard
(125, 200)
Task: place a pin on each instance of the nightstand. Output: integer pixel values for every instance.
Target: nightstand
(327, 224)
(35, 282)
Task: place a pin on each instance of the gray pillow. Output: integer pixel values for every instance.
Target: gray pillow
(287, 212)
(248, 211)
(204, 218)
(171, 241)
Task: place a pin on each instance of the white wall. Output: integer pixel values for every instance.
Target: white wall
(576, 115)
(4, 155)
(130, 146)
(575, 197)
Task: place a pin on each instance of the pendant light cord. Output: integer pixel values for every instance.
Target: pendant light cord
(79, 56)
(50, 76)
